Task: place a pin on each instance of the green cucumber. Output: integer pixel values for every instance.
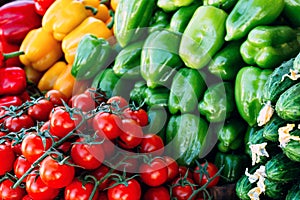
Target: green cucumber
(274, 85)
(270, 130)
(288, 104)
(243, 186)
(293, 193)
(275, 189)
(281, 168)
(292, 148)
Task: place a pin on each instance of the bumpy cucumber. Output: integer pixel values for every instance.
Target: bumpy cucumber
(288, 104)
(274, 85)
(281, 168)
(270, 130)
(243, 186)
(292, 148)
(294, 192)
(276, 189)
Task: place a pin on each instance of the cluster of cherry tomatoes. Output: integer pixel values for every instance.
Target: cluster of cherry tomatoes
(90, 147)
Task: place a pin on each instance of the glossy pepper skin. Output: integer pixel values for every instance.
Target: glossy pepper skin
(188, 86)
(185, 135)
(171, 5)
(17, 18)
(222, 4)
(269, 46)
(36, 53)
(248, 89)
(159, 20)
(6, 47)
(159, 58)
(65, 82)
(91, 26)
(63, 16)
(130, 17)
(92, 55)
(246, 15)
(203, 36)
(5, 56)
(231, 135)
(181, 17)
(137, 93)
(41, 6)
(12, 81)
(218, 102)
(234, 166)
(127, 62)
(291, 11)
(227, 62)
(156, 96)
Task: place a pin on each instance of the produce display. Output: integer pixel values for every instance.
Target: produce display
(149, 99)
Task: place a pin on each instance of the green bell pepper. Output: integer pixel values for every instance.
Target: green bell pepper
(92, 55)
(130, 17)
(269, 46)
(156, 96)
(172, 5)
(193, 84)
(159, 58)
(227, 62)
(203, 36)
(137, 93)
(234, 166)
(249, 85)
(246, 15)
(291, 11)
(184, 137)
(159, 21)
(231, 135)
(218, 102)
(181, 17)
(222, 4)
(127, 62)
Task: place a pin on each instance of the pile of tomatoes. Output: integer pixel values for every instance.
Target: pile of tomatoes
(90, 147)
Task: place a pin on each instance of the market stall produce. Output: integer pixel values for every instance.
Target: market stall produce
(149, 99)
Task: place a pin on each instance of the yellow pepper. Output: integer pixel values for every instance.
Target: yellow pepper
(114, 4)
(49, 77)
(32, 75)
(90, 25)
(63, 16)
(65, 82)
(41, 50)
(103, 12)
(92, 3)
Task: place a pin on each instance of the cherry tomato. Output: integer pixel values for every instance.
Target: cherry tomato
(211, 170)
(127, 162)
(61, 123)
(88, 156)
(16, 123)
(118, 100)
(157, 193)
(75, 191)
(21, 165)
(154, 173)
(54, 174)
(56, 97)
(182, 188)
(131, 135)
(26, 197)
(37, 189)
(98, 96)
(7, 192)
(102, 196)
(33, 146)
(153, 144)
(139, 115)
(173, 169)
(99, 173)
(41, 110)
(16, 147)
(108, 148)
(130, 191)
(107, 125)
(7, 157)
(183, 170)
(83, 102)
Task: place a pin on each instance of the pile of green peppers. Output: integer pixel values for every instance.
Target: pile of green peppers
(199, 66)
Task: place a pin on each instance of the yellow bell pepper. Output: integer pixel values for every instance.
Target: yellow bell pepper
(41, 50)
(103, 12)
(32, 75)
(90, 25)
(63, 16)
(65, 82)
(114, 4)
(49, 77)
(93, 4)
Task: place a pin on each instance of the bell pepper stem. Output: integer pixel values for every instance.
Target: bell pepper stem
(12, 54)
(91, 8)
(111, 23)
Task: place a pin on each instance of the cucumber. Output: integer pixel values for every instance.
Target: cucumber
(292, 148)
(288, 104)
(275, 189)
(274, 85)
(270, 130)
(281, 168)
(294, 192)
(243, 186)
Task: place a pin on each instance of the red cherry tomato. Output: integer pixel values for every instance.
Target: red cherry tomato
(61, 123)
(56, 97)
(153, 144)
(183, 170)
(21, 165)
(16, 123)
(130, 191)
(99, 174)
(83, 102)
(211, 170)
(41, 110)
(131, 135)
(139, 115)
(7, 192)
(119, 101)
(75, 191)
(173, 169)
(157, 193)
(182, 188)
(7, 157)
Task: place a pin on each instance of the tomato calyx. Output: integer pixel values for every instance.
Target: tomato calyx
(120, 179)
(11, 178)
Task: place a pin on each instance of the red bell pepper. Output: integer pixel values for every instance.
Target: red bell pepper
(12, 81)
(9, 48)
(17, 18)
(6, 56)
(10, 101)
(41, 6)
